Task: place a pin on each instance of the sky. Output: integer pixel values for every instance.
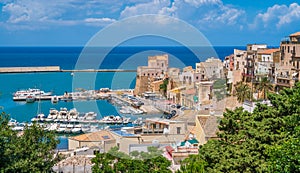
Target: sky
(74, 22)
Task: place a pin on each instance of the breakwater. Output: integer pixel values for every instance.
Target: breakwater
(55, 69)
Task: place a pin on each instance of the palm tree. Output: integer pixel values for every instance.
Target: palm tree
(164, 86)
(243, 91)
(265, 86)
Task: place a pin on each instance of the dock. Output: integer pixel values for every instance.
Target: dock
(56, 69)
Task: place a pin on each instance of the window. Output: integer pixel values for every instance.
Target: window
(178, 130)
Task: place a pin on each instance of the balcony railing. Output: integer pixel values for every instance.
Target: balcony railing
(283, 76)
(283, 83)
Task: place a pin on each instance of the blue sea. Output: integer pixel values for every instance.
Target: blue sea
(66, 58)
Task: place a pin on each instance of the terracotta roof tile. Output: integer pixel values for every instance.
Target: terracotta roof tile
(295, 34)
(101, 135)
(267, 51)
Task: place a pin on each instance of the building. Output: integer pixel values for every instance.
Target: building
(156, 70)
(156, 132)
(101, 139)
(164, 126)
(182, 150)
(288, 70)
(212, 68)
(251, 58)
(206, 127)
(265, 63)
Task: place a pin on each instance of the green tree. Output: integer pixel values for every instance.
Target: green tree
(164, 86)
(264, 86)
(266, 140)
(32, 151)
(192, 164)
(116, 161)
(242, 91)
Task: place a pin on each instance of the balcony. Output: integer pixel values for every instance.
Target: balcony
(284, 83)
(287, 77)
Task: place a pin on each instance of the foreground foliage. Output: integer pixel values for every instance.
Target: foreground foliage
(116, 161)
(30, 152)
(266, 140)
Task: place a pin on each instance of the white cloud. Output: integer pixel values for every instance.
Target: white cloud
(35, 14)
(99, 21)
(203, 12)
(278, 15)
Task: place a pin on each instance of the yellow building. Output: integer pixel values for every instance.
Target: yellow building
(101, 139)
(206, 127)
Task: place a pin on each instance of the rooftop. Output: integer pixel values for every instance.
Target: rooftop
(267, 51)
(295, 34)
(209, 124)
(122, 133)
(161, 120)
(102, 135)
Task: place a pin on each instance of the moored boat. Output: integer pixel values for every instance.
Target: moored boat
(30, 99)
(54, 99)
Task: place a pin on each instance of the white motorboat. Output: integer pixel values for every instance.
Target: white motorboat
(63, 113)
(69, 128)
(53, 113)
(39, 117)
(86, 128)
(77, 128)
(114, 120)
(73, 114)
(19, 127)
(90, 116)
(22, 94)
(62, 128)
(53, 127)
(12, 122)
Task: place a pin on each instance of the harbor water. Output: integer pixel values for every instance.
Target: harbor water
(61, 82)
